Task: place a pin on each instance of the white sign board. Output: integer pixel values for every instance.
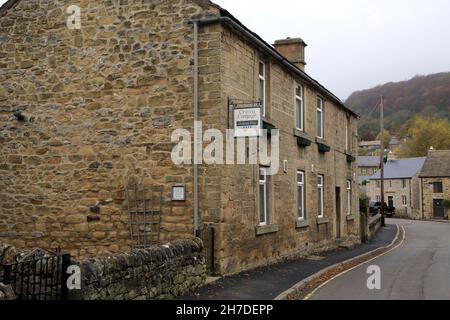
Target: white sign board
(178, 193)
(247, 122)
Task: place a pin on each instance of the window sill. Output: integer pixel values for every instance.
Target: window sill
(303, 140)
(262, 230)
(323, 145)
(321, 221)
(302, 224)
(351, 217)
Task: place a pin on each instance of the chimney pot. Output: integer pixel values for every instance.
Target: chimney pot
(293, 50)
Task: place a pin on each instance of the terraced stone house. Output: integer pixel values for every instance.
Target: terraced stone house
(435, 185)
(87, 114)
(401, 186)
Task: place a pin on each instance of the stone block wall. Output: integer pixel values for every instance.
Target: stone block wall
(161, 272)
(238, 245)
(429, 196)
(100, 105)
(6, 293)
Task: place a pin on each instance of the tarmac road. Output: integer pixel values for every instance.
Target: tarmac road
(419, 269)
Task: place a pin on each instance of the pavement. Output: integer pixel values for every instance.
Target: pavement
(417, 270)
(268, 282)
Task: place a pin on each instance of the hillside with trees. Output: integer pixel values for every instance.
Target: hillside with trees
(424, 96)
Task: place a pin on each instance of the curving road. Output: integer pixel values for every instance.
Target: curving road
(417, 270)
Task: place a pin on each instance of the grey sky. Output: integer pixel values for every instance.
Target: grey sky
(356, 44)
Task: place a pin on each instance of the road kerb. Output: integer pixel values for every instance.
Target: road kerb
(302, 284)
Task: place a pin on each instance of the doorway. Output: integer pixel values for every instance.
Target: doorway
(438, 209)
(338, 212)
(391, 202)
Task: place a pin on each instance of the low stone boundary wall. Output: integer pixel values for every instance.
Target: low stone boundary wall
(160, 272)
(374, 226)
(6, 293)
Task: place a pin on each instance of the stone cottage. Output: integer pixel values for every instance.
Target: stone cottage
(367, 167)
(435, 185)
(401, 186)
(90, 97)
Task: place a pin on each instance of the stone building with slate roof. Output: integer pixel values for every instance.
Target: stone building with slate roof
(86, 115)
(435, 185)
(402, 186)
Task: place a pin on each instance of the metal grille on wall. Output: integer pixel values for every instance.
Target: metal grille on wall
(38, 276)
(145, 211)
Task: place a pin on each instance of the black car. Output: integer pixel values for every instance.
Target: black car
(375, 208)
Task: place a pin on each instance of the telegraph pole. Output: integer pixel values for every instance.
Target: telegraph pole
(383, 220)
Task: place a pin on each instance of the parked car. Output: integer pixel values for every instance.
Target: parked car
(375, 208)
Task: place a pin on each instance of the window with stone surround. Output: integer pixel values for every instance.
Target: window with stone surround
(301, 213)
(349, 197)
(404, 183)
(404, 201)
(262, 86)
(438, 187)
(320, 122)
(299, 108)
(265, 191)
(320, 188)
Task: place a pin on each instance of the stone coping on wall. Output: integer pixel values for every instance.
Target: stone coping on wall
(157, 273)
(6, 293)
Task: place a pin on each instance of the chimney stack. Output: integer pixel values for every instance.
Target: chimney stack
(293, 50)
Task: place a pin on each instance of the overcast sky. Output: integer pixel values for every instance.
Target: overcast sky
(356, 44)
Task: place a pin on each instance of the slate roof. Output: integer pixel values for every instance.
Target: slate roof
(437, 165)
(401, 169)
(365, 161)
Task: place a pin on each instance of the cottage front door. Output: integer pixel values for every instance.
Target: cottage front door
(391, 202)
(438, 209)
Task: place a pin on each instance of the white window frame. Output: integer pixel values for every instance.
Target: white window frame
(347, 132)
(378, 198)
(438, 186)
(266, 182)
(262, 78)
(349, 197)
(301, 195)
(302, 108)
(320, 104)
(320, 194)
(404, 201)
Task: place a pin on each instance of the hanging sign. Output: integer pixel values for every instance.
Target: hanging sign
(247, 122)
